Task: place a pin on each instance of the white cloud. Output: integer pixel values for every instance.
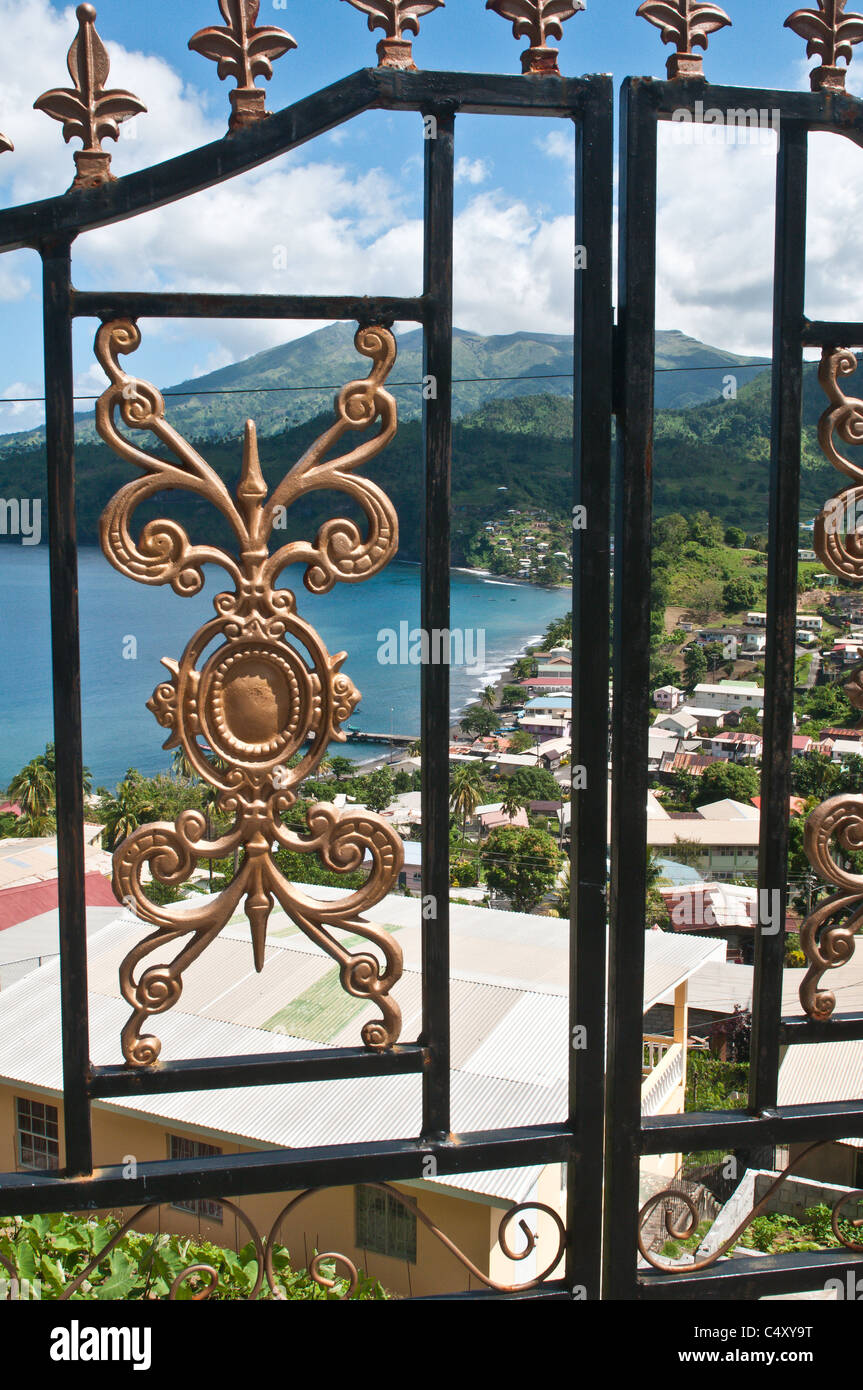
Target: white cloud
(25, 409)
(315, 222)
(472, 171)
(716, 229)
(557, 144)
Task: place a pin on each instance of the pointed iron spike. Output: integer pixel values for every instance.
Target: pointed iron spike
(252, 483)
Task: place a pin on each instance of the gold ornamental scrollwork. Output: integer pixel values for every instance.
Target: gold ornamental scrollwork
(253, 687)
(827, 937)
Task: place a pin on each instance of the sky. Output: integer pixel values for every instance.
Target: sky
(343, 214)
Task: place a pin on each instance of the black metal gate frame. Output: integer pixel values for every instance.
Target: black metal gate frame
(644, 103)
(50, 227)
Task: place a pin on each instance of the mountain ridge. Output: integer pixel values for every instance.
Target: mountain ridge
(291, 383)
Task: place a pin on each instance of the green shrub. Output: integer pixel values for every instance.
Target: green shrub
(55, 1249)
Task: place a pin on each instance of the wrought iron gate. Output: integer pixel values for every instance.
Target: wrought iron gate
(602, 1139)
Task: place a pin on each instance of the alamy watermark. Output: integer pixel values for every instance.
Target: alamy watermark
(843, 515)
(736, 126)
(21, 517)
(20, 1290)
(438, 647)
(695, 910)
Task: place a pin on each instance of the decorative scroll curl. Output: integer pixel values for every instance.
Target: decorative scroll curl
(265, 1248)
(827, 935)
(684, 1226)
(830, 35)
(838, 538)
(687, 24)
(254, 686)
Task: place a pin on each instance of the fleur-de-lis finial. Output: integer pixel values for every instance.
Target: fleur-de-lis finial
(686, 23)
(244, 51)
(88, 111)
(537, 21)
(831, 34)
(396, 17)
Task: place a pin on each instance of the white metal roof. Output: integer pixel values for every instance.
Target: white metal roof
(510, 1035)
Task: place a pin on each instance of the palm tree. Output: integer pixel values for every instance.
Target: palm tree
(466, 792)
(35, 787)
(561, 898)
(181, 767)
(489, 697)
(513, 800)
(33, 826)
(124, 812)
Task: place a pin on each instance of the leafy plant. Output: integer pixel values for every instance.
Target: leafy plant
(56, 1249)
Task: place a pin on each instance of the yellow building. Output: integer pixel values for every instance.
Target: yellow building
(510, 1053)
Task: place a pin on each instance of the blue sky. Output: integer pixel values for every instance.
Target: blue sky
(346, 209)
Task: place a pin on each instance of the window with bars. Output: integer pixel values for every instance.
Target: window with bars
(38, 1139)
(180, 1148)
(384, 1226)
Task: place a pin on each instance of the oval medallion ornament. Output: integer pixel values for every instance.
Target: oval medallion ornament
(255, 703)
(267, 687)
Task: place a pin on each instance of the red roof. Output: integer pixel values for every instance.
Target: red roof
(796, 804)
(32, 899)
(550, 682)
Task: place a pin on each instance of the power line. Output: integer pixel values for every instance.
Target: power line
(393, 385)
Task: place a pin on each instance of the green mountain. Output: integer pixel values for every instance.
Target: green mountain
(287, 385)
(712, 456)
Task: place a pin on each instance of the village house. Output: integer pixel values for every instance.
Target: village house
(511, 1045)
(736, 747)
(668, 697)
(730, 695)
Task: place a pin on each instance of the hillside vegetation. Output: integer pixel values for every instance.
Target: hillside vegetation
(712, 456)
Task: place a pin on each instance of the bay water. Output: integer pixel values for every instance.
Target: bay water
(119, 674)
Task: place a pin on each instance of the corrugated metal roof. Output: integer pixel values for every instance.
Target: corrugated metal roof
(510, 1039)
(318, 1113)
(811, 1073)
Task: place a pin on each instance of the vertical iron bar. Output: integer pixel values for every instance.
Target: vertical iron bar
(437, 433)
(632, 580)
(592, 385)
(66, 664)
(787, 390)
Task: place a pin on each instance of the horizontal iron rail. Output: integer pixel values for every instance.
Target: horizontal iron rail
(284, 1170)
(752, 1277)
(737, 1129)
(838, 113)
(218, 1073)
(551, 1290)
(83, 210)
(819, 333)
(132, 304)
(841, 1028)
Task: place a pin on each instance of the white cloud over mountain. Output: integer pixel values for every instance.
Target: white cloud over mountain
(317, 222)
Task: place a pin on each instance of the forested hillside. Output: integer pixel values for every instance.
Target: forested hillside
(713, 457)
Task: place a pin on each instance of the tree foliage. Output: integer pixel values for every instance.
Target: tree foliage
(521, 864)
(55, 1249)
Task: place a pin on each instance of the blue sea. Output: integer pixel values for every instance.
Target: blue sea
(119, 732)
